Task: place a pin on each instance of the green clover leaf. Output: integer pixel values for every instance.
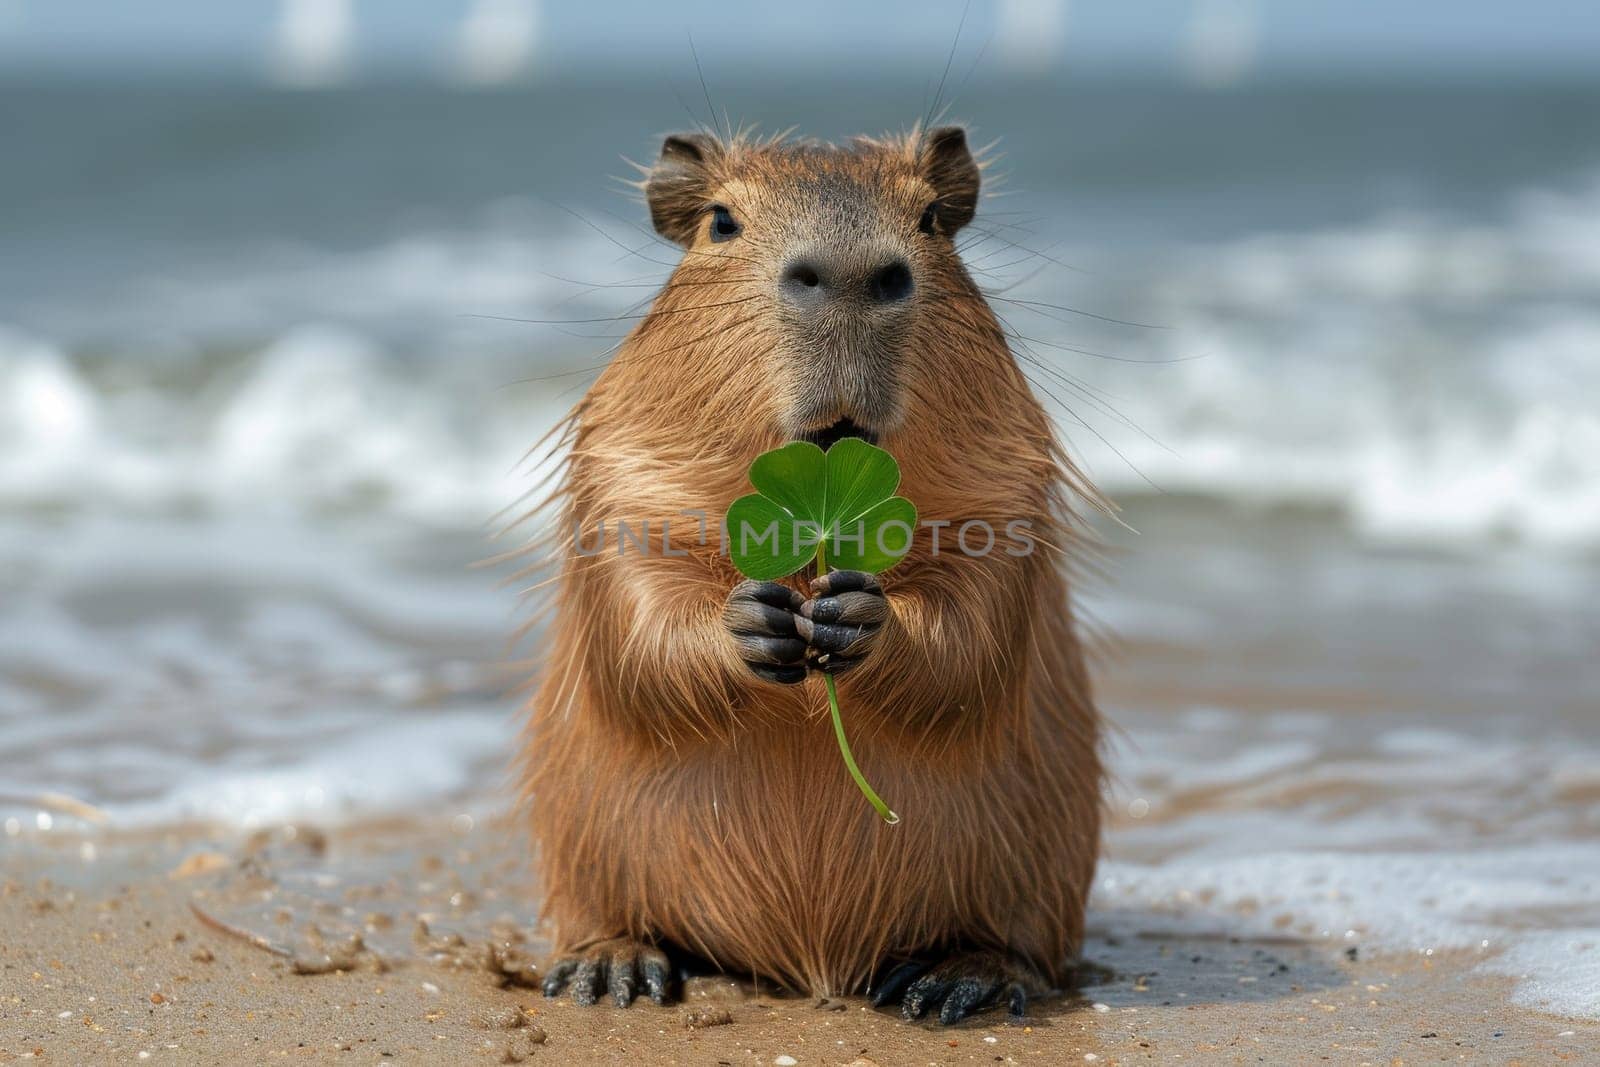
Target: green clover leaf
(837, 507)
(841, 501)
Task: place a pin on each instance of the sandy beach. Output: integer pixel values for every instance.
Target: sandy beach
(409, 942)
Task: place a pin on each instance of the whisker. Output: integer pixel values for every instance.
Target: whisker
(655, 238)
(1102, 406)
(602, 232)
(612, 318)
(1080, 312)
(711, 108)
(934, 114)
(1107, 355)
(1100, 436)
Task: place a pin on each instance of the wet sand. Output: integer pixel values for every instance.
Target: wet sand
(411, 942)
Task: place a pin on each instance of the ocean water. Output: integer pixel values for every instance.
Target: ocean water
(259, 404)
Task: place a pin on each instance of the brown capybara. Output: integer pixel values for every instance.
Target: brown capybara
(685, 786)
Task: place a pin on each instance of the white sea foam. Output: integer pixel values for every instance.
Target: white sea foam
(49, 418)
(1432, 380)
(384, 767)
(1528, 911)
(1417, 839)
(321, 418)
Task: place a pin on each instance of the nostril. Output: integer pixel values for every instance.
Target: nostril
(890, 283)
(802, 275)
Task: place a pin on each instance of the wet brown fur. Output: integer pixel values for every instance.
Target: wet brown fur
(678, 798)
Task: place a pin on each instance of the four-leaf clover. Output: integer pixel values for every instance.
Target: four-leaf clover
(840, 501)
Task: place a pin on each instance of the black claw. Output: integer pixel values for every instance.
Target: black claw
(854, 608)
(657, 975)
(770, 651)
(1018, 1000)
(772, 593)
(754, 617)
(586, 982)
(557, 977)
(831, 637)
(924, 993)
(823, 609)
(621, 981)
(964, 996)
(836, 582)
(896, 981)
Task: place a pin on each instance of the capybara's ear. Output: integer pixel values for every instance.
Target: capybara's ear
(678, 186)
(947, 163)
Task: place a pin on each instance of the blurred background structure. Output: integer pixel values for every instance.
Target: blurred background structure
(257, 411)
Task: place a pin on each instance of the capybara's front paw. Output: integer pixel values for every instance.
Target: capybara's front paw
(617, 966)
(761, 617)
(959, 985)
(841, 621)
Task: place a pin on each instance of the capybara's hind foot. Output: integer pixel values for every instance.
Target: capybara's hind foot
(617, 966)
(959, 985)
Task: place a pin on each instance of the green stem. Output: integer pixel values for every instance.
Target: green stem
(867, 791)
(850, 761)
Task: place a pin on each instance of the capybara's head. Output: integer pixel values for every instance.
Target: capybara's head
(845, 255)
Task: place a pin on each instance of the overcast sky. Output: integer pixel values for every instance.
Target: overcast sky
(1216, 41)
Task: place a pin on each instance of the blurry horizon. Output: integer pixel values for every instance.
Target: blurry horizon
(1203, 43)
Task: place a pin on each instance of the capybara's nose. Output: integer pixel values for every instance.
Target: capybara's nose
(810, 281)
(801, 284)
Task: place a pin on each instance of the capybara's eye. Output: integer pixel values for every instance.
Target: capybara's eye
(929, 215)
(724, 227)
